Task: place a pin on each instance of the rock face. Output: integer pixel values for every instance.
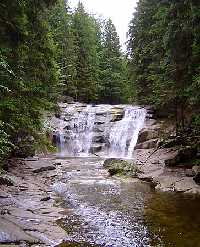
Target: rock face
(120, 167)
(82, 129)
(181, 156)
(147, 144)
(28, 212)
(147, 134)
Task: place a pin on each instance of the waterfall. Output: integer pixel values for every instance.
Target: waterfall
(78, 132)
(112, 130)
(124, 133)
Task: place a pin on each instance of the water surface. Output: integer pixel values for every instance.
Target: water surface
(121, 212)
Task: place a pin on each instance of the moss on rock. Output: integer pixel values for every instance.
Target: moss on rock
(121, 167)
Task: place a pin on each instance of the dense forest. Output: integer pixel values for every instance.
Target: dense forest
(49, 51)
(164, 51)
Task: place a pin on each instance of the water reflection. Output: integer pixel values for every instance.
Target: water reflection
(173, 220)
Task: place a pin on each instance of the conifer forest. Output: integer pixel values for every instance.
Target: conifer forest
(99, 139)
(49, 51)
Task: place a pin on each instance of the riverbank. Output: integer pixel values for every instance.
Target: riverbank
(172, 179)
(29, 208)
(48, 200)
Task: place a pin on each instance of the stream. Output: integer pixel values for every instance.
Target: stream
(116, 212)
(112, 211)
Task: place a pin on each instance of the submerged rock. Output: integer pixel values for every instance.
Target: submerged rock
(120, 167)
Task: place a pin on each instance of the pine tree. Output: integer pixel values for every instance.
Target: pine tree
(60, 18)
(163, 47)
(29, 73)
(84, 30)
(111, 68)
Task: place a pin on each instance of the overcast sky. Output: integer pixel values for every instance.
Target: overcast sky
(119, 11)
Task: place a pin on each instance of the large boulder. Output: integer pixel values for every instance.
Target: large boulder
(120, 167)
(147, 134)
(148, 144)
(181, 156)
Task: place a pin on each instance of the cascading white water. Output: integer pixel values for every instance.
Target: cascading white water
(78, 133)
(84, 129)
(124, 134)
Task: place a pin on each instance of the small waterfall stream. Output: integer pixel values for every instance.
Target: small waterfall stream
(111, 130)
(102, 210)
(124, 134)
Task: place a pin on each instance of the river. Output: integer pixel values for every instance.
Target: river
(115, 212)
(122, 212)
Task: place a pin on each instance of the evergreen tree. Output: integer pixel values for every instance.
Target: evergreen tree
(85, 34)
(60, 19)
(29, 74)
(111, 67)
(163, 45)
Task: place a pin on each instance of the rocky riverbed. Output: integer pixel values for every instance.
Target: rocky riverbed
(61, 200)
(29, 208)
(74, 201)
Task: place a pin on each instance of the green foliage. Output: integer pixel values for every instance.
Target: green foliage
(113, 73)
(46, 51)
(92, 66)
(5, 144)
(164, 49)
(28, 70)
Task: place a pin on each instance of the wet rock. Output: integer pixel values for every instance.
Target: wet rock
(99, 128)
(120, 167)
(189, 173)
(98, 137)
(117, 117)
(57, 164)
(45, 199)
(96, 147)
(146, 135)
(43, 169)
(11, 232)
(148, 144)
(117, 113)
(100, 119)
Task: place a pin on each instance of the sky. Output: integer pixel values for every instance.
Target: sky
(119, 11)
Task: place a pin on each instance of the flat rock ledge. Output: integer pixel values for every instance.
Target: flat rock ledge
(170, 179)
(28, 209)
(151, 168)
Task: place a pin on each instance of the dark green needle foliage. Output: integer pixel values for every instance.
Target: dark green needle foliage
(164, 52)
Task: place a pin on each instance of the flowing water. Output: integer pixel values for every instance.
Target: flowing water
(102, 211)
(116, 128)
